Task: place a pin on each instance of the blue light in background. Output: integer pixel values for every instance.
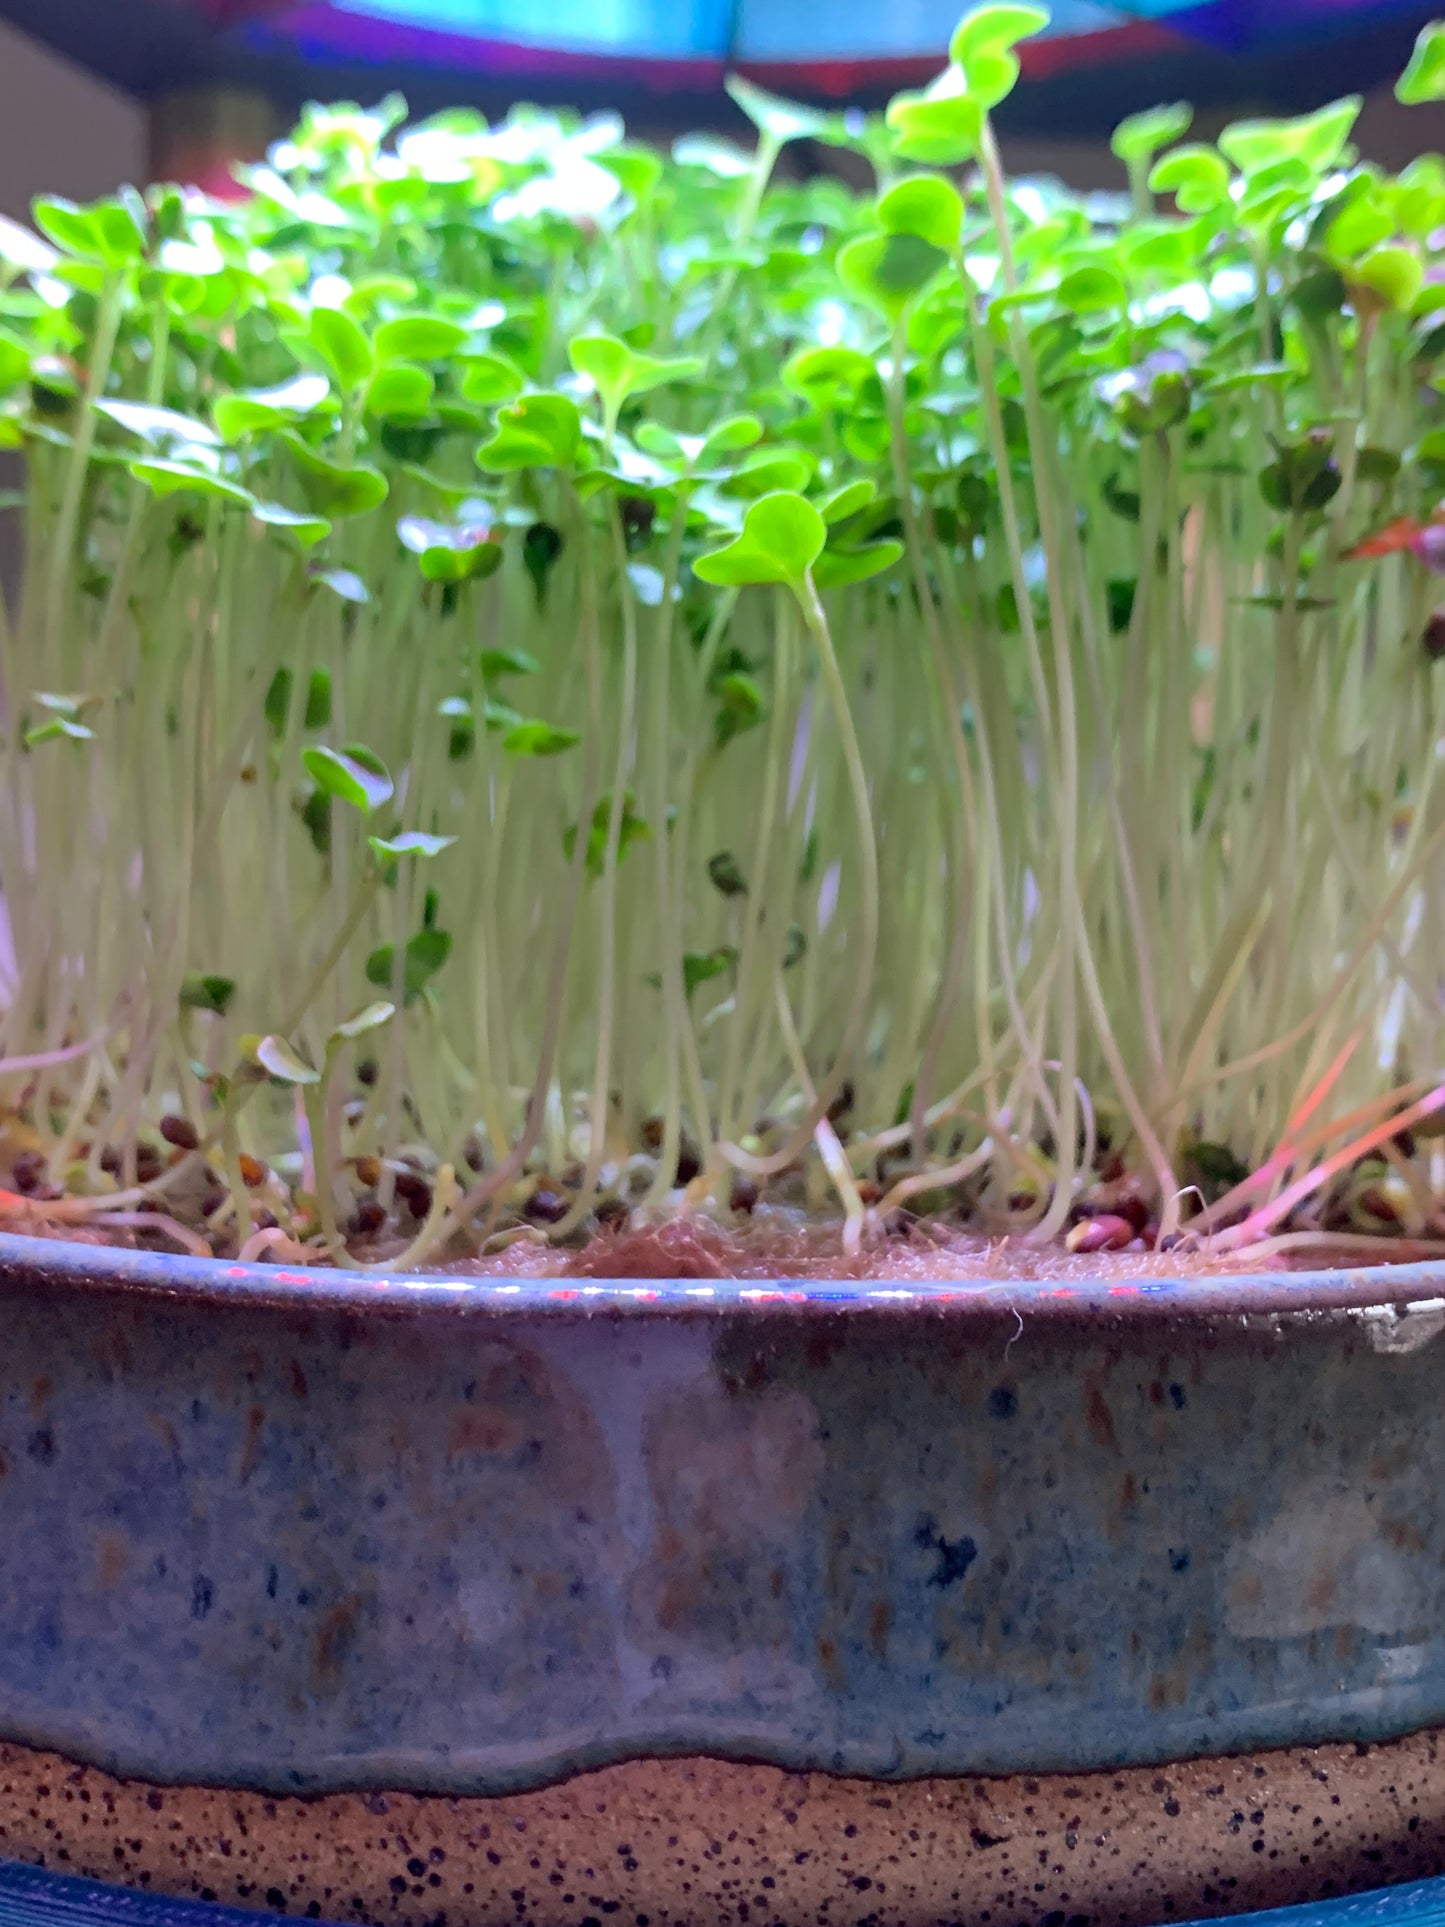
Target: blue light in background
(799, 30)
(660, 29)
(741, 29)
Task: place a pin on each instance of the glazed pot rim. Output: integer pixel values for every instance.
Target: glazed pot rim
(1412, 1293)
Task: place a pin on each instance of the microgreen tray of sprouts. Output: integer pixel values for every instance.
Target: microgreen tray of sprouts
(559, 684)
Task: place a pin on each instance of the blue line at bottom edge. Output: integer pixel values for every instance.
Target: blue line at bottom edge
(36, 1897)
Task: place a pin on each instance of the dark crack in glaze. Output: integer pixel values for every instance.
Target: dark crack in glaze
(680, 1843)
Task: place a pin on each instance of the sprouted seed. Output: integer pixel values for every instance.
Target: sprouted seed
(560, 687)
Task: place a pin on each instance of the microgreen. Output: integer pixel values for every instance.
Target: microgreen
(710, 651)
(1424, 78)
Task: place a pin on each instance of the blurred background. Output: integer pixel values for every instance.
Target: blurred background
(94, 92)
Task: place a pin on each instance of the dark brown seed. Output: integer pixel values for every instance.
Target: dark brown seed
(1433, 640)
(28, 1172)
(472, 1153)
(253, 1171)
(368, 1172)
(148, 1164)
(842, 1103)
(745, 1195)
(366, 1071)
(179, 1131)
(110, 1161)
(614, 1213)
(1122, 1199)
(1379, 1206)
(1405, 1143)
(368, 1217)
(1108, 1233)
(212, 1201)
(265, 1221)
(545, 1206)
(414, 1192)
(689, 1164)
(652, 1135)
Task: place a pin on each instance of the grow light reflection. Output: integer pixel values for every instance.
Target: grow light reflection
(765, 30)
(661, 28)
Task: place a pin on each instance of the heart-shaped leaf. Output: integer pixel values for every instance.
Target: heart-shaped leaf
(828, 377)
(1317, 140)
(534, 738)
(1141, 136)
(729, 437)
(58, 728)
(418, 337)
(305, 530)
(617, 371)
(1090, 290)
(174, 477)
(202, 991)
(332, 489)
(399, 392)
(159, 428)
(888, 270)
(926, 205)
(371, 1017)
(1394, 274)
(782, 536)
(1424, 77)
(345, 583)
(941, 125)
(491, 379)
(778, 120)
(847, 501)
(537, 431)
(464, 563)
(507, 662)
(341, 345)
(251, 410)
(988, 29)
(355, 775)
(317, 714)
(106, 231)
(982, 48)
(836, 568)
(700, 967)
(410, 843)
(422, 957)
(283, 1061)
(631, 829)
(1197, 177)
(764, 470)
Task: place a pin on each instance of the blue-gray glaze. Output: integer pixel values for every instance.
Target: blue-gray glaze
(318, 1536)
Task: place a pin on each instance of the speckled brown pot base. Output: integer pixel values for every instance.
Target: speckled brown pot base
(702, 1842)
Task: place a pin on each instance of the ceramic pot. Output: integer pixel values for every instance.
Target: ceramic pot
(665, 1599)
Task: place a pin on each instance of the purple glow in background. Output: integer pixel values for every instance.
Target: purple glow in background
(681, 39)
